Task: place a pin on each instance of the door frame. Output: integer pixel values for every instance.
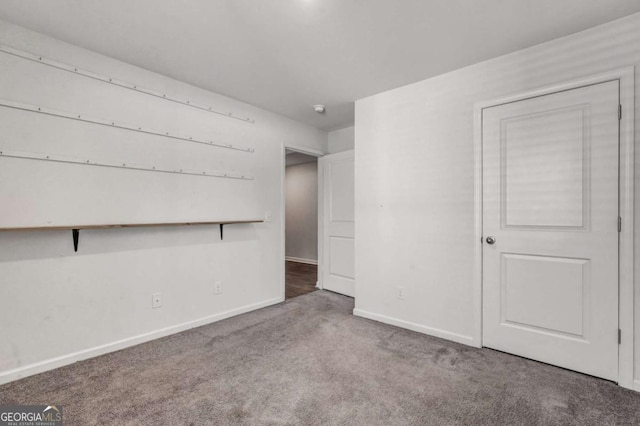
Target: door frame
(626, 210)
(283, 206)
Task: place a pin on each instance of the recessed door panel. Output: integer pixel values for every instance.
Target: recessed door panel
(545, 293)
(342, 260)
(545, 168)
(342, 196)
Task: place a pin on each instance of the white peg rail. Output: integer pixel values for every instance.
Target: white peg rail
(119, 165)
(70, 68)
(119, 125)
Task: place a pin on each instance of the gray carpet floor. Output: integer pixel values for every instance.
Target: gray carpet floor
(308, 361)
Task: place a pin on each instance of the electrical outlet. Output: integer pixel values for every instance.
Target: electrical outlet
(400, 293)
(156, 300)
(267, 216)
(217, 287)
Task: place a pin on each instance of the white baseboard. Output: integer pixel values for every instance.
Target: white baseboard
(50, 364)
(466, 340)
(636, 385)
(301, 260)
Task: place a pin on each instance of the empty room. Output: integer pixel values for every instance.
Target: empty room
(319, 212)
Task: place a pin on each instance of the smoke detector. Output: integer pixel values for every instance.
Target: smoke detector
(318, 108)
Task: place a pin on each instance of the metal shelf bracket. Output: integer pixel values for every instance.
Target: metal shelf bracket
(76, 238)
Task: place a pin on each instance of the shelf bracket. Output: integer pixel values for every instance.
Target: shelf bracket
(221, 231)
(76, 237)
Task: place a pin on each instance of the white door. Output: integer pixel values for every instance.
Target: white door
(550, 228)
(338, 223)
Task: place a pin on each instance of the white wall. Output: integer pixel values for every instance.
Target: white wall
(415, 178)
(57, 306)
(341, 140)
(302, 211)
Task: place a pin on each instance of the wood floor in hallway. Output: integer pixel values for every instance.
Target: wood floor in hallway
(300, 278)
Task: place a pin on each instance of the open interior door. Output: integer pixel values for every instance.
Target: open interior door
(337, 264)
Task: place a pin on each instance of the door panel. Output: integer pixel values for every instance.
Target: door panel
(544, 155)
(338, 223)
(529, 281)
(341, 200)
(550, 201)
(342, 257)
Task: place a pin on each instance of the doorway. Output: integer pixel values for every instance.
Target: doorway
(554, 172)
(301, 223)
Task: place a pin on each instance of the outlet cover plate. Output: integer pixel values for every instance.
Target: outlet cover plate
(156, 300)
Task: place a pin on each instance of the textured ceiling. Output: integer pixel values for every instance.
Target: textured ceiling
(287, 55)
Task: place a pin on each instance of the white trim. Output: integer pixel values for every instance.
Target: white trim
(626, 308)
(50, 364)
(321, 261)
(283, 166)
(301, 260)
(477, 235)
(626, 274)
(466, 340)
(636, 385)
(304, 150)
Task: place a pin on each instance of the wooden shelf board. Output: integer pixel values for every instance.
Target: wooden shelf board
(127, 225)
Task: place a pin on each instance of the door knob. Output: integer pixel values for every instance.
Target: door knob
(491, 240)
